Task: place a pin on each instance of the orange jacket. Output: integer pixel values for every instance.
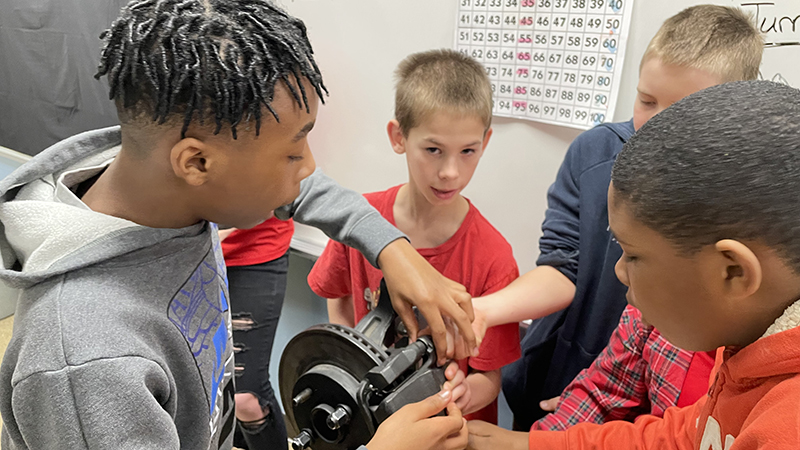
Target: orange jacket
(754, 403)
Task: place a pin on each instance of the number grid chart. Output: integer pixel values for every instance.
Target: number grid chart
(552, 61)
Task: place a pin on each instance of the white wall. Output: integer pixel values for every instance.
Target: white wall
(358, 44)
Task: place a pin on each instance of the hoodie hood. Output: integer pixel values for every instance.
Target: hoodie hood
(45, 229)
(775, 354)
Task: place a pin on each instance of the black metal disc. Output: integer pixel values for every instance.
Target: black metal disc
(325, 344)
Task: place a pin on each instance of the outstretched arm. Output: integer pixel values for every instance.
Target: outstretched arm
(345, 216)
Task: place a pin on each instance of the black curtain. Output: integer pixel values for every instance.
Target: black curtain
(49, 50)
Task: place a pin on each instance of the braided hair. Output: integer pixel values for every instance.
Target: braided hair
(218, 57)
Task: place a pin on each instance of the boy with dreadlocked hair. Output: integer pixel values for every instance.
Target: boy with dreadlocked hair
(122, 334)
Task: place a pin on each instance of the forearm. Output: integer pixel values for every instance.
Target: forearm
(485, 387)
(340, 311)
(542, 291)
(342, 214)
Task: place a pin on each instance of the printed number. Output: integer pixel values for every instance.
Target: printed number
(591, 42)
(566, 95)
(505, 105)
(587, 79)
(598, 117)
(556, 40)
(551, 93)
(576, 22)
(570, 77)
(492, 37)
(604, 81)
(495, 3)
(564, 112)
(549, 110)
(524, 56)
(505, 88)
(507, 54)
(507, 72)
(538, 57)
(534, 108)
(607, 63)
(535, 92)
(525, 38)
(509, 37)
(544, 3)
(594, 23)
(525, 21)
(537, 74)
(511, 20)
(520, 106)
(612, 24)
(616, 5)
(511, 3)
(480, 2)
(521, 90)
(574, 41)
(610, 43)
(477, 53)
(559, 21)
(589, 60)
(581, 114)
(578, 4)
(600, 99)
(491, 71)
(572, 59)
(555, 58)
(543, 21)
(560, 4)
(465, 19)
(528, 3)
(584, 97)
(495, 19)
(477, 37)
(596, 4)
(522, 72)
(540, 39)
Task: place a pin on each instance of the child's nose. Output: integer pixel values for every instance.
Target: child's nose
(622, 274)
(449, 169)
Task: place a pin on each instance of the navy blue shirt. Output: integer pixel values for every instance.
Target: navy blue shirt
(576, 242)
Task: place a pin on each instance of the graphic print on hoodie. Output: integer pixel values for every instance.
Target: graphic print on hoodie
(122, 335)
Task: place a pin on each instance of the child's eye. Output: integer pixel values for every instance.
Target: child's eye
(432, 150)
(295, 158)
(630, 259)
(468, 151)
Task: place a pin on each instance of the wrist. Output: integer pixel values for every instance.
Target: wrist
(392, 252)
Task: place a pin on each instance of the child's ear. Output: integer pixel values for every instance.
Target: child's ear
(741, 269)
(396, 136)
(486, 137)
(190, 161)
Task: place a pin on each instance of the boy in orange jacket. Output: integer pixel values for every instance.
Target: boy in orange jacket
(704, 202)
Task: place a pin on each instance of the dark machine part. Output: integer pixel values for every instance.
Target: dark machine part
(338, 384)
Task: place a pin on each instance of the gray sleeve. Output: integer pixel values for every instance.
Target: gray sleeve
(94, 405)
(343, 215)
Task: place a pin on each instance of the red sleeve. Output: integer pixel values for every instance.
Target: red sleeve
(614, 387)
(675, 431)
(330, 276)
(500, 345)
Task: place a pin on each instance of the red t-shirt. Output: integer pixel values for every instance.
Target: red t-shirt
(262, 243)
(476, 256)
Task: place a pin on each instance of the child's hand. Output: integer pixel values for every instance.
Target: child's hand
(485, 436)
(549, 405)
(455, 383)
(419, 430)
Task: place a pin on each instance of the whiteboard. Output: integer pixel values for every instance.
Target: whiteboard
(358, 44)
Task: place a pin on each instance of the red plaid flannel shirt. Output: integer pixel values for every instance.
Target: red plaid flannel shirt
(639, 372)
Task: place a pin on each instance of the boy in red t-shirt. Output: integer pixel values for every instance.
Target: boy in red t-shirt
(443, 111)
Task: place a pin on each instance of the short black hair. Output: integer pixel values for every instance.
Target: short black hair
(222, 57)
(723, 163)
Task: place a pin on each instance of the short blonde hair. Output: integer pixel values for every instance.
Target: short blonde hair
(441, 80)
(718, 39)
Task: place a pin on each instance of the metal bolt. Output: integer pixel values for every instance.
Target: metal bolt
(302, 397)
(339, 417)
(302, 441)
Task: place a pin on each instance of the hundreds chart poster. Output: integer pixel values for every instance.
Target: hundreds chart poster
(553, 61)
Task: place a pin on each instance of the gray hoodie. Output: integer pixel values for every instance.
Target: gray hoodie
(122, 336)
